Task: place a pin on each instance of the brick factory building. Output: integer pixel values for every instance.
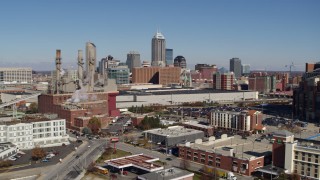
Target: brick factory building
(156, 75)
(220, 153)
(99, 104)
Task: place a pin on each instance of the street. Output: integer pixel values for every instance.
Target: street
(76, 162)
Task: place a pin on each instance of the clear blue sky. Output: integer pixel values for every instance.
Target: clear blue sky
(266, 34)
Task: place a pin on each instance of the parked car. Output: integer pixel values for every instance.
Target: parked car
(12, 158)
(45, 160)
(79, 141)
(49, 156)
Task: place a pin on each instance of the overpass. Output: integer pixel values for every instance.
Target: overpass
(19, 100)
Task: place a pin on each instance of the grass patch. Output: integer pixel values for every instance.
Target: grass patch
(110, 155)
(196, 176)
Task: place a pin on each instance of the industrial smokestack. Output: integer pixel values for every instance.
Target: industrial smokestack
(58, 70)
(91, 63)
(80, 65)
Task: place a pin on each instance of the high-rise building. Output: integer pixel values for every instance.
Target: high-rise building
(306, 98)
(263, 83)
(158, 50)
(235, 67)
(180, 61)
(91, 56)
(133, 60)
(169, 57)
(222, 81)
(246, 69)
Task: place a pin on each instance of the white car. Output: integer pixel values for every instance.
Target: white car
(49, 156)
(12, 158)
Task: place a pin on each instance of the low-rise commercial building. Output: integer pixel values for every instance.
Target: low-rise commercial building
(172, 173)
(208, 130)
(228, 153)
(173, 135)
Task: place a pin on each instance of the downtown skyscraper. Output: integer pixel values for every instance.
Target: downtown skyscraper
(133, 60)
(236, 67)
(158, 50)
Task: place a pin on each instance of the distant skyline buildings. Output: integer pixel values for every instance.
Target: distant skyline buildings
(133, 60)
(169, 57)
(245, 69)
(158, 50)
(180, 61)
(236, 67)
(261, 38)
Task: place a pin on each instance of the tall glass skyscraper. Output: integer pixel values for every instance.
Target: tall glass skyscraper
(235, 67)
(169, 56)
(158, 50)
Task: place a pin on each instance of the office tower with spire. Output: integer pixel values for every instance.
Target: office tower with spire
(158, 50)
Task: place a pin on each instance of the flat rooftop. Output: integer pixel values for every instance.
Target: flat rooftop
(242, 148)
(168, 91)
(196, 123)
(26, 119)
(167, 174)
(173, 131)
(139, 161)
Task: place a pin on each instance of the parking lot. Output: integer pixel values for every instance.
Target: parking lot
(26, 162)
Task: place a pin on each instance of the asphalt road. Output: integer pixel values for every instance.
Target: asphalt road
(73, 165)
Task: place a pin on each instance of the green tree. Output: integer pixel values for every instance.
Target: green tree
(86, 130)
(94, 124)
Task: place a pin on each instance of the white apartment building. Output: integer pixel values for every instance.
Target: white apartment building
(29, 134)
(15, 75)
(230, 120)
(302, 159)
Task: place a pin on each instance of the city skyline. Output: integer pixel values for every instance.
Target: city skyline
(267, 35)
